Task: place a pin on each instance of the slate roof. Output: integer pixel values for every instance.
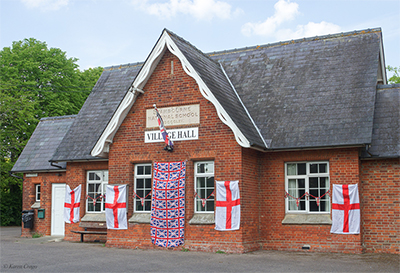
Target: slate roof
(308, 93)
(386, 132)
(215, 79)
(96, 113)
(42, 145)
(315, 92)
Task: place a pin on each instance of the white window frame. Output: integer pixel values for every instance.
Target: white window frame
(208, 190)
(37, 192)
(144, 191)
(103, 181)
(306, 178)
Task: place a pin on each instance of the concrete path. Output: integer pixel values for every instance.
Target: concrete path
(51, 254)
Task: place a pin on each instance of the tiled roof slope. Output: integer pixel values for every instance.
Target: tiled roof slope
(315, 92)
(42, 145)
(386, 133)
(215, 79)
(96, 113)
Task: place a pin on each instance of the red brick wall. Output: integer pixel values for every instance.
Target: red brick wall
(343, 168)
(76, 175)
(216, 142)
(381, 205)
(40, 226)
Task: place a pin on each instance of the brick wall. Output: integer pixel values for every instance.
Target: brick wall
(344, 169)
(216, 142)
(381, 205)
(40, 226)
(76, 175)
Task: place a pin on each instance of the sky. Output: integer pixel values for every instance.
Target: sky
(113, 32)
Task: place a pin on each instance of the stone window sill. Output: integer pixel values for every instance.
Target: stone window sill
(94, 217)
(142, 218)
(36, 205)
(307, 219)
(202, 219)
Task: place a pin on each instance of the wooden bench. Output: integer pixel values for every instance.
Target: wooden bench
(83, 232)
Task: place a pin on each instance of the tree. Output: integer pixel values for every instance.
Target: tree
(35, 82)
(396, 77)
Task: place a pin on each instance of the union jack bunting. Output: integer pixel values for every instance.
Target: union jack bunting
(168, 142)
(168, 204)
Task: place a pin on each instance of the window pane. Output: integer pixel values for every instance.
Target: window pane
(322, 181)
(148, 183)
(140, 170)
(147, 169)
(200, 168)
(313, 183)
(147, 205)
(291, 169)
(139, 183)
(301, 184)
(301, 168)
(139, 206)
(210, 205)
(313, 168)
(200, 182)
(322, 168)
(200, 206)
(105, 176)
(210, 182)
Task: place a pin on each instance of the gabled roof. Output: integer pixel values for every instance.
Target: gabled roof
(209, 77)
(309, 93)
(43, 143)
(315, 92)
(386, 133)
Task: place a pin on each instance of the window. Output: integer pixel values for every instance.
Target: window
(37, 193)
(204, 186)
(142, 194)
(305, 182)
(96, 189)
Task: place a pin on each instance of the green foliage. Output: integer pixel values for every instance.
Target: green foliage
(396, 76)
(10, 195)
(36, 235)
(220, 252)
(35, 82)
(185, 249)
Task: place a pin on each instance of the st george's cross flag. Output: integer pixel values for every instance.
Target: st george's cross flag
(227, 211)
(72, 205)
(167, 225)
(116, 207)
(345, 209)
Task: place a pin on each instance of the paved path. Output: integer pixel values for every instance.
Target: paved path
(49, 254)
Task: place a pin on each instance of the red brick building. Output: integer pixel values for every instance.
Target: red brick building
(284, 119)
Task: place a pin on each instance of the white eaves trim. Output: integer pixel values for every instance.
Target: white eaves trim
(165, 42)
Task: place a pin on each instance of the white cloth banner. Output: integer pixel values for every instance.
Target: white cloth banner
(116, 207)
(345, 209)
(227, 211)
(72, 205)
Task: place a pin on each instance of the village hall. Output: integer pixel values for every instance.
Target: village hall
(292, 146)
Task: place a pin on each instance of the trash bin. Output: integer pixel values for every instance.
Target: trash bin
(27, 218)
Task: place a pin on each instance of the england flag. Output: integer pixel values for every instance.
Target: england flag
(116, 207)
(72, 205)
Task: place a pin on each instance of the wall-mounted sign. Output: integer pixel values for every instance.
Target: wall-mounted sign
(174, 134)
(176, 115)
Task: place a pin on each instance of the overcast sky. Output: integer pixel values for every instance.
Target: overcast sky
(113, 32)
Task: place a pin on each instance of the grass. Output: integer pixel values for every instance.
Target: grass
(36, 235)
